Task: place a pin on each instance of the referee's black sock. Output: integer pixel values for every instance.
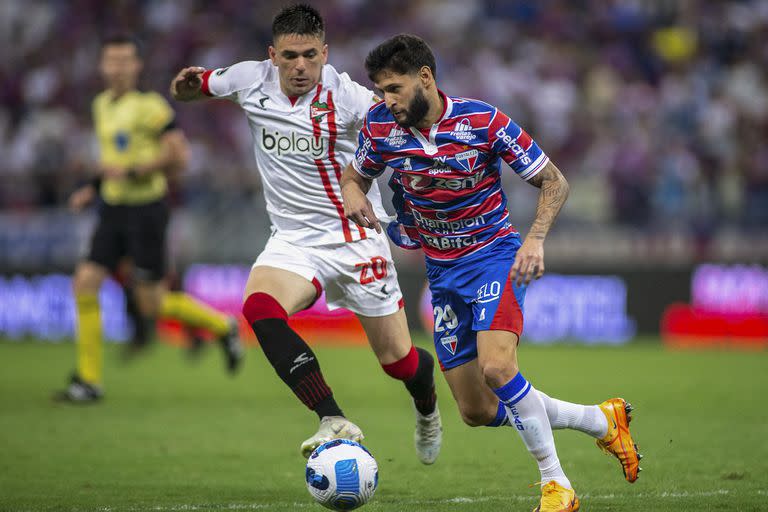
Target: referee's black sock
(289, 355)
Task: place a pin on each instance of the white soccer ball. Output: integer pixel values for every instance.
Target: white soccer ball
(342, 475)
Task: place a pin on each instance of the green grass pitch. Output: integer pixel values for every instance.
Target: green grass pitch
(177, 436)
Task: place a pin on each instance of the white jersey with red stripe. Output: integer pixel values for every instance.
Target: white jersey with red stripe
(301, 146)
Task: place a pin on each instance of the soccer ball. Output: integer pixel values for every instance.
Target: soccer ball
(342, 475)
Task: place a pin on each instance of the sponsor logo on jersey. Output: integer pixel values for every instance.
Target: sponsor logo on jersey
(362, 152)
(396, 137)
(261, 102)
(489, 292)
(463, 131)
(450, 343)
(221, 71)
(440, 167)
(512, 144)
(445, 243)
(420, 182)
(468, 159)
(447, 227)
(317, 110)
(291, 144)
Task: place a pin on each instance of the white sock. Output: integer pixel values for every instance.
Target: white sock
(528, 416)
(584, 418)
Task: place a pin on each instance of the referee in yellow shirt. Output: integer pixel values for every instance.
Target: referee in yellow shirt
(139, 144)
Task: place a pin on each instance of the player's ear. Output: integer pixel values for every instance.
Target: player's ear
(325, 53)
(425, 75)
(272, 54)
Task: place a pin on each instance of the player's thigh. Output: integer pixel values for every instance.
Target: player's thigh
(388, 335)
(497, 356)
(286, 273)
(359, 276)
(146, 240)
(107, 247)
(476, 401)
(455, 341)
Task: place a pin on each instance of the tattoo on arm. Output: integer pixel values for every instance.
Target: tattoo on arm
(554, 192)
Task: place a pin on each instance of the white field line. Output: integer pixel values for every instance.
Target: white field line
(459, 500)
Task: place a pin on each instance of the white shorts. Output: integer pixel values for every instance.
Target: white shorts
(359, 276)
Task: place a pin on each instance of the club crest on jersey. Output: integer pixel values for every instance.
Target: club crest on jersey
(463, 131)
(467, 159)
(317, 110)
(450, 343)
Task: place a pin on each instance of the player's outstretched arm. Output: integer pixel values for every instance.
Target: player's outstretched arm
(529, 262)
(357, 207)
(186, 86)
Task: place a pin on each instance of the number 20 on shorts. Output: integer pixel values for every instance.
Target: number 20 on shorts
(373, 270)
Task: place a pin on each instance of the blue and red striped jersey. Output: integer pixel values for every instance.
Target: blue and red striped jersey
(450, 174)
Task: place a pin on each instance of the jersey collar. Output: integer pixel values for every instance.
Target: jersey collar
(429, 145)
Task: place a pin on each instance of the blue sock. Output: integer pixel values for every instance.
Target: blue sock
(514, 390)
(501, 419)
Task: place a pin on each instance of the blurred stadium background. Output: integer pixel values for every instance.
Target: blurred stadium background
(655, 110)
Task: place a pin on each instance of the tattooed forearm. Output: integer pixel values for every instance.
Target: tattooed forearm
(554, 192)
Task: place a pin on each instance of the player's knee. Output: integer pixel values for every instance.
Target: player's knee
(475, 416)
(405, 366)
(497, 373)
(87, 279)
(262, 306)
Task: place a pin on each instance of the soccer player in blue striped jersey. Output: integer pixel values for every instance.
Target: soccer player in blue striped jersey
(446, 154)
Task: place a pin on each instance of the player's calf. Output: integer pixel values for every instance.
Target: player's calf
(416, 370)
(290, 356)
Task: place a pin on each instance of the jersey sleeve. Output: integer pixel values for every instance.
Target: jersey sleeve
(227, 82)
(356, 101)
(367, 162)
(515, 146)
(158, 115)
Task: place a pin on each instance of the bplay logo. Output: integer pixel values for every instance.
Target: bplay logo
(292, 144)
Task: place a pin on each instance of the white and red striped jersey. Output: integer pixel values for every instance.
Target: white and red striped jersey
(301, 145)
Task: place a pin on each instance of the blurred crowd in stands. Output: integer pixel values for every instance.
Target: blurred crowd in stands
(656, 110)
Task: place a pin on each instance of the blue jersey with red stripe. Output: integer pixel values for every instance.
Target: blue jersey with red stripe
(450, 174)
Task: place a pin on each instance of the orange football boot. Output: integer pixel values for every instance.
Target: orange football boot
(618, 441)
(556, 498)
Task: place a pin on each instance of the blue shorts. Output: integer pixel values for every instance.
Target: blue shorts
(474, 295)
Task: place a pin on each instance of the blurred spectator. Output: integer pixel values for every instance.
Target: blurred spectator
(657, 111)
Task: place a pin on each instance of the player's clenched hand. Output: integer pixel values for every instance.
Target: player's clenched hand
(113, 172)
(186, 85)
(529, 262)
(81, 198)
(358, 208)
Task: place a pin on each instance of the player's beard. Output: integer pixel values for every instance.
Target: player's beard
(416, 111)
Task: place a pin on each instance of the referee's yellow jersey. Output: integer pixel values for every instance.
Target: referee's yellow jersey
(129, 129)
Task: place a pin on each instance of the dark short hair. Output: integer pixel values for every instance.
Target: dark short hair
(122, 38)
(298, 19)
(403, 54)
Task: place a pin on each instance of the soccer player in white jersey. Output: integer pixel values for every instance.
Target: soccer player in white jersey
(305, 117)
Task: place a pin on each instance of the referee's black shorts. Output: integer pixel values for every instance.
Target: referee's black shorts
(134, 231)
